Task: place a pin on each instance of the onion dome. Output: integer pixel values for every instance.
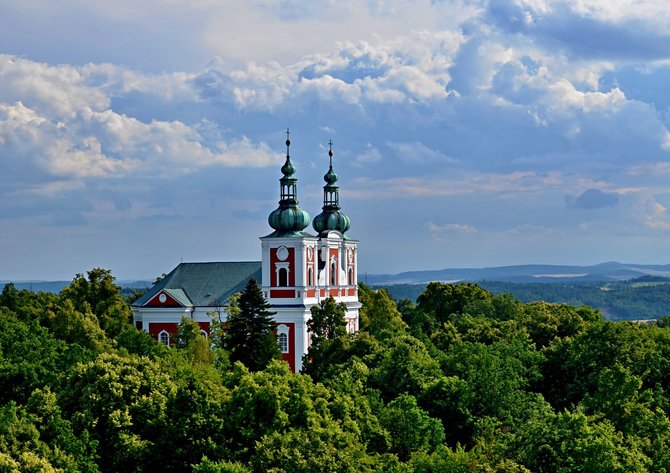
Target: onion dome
(331, 217)
(288, 217)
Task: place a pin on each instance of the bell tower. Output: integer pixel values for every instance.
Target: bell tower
(288, 272)
(299, 269)
(285, 250)
(338, 254)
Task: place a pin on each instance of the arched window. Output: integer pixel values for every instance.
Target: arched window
(204, 333)
(164, 338)
(282, 339)
(283, 277)
(351, 276)
(310, 276)
(333, 273)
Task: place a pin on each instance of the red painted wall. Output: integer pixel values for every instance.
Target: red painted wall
(169, 302)
(290, 356)
(290, 260)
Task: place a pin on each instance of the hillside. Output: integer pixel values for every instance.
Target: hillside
(647, 297)
(611, 271)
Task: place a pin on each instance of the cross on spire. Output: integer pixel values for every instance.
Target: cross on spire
(288, 141)
(330, 152)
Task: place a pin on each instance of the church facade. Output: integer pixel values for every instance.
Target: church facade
(297, 271)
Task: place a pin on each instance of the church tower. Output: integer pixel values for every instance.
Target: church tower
(298, 269)
(288, 277)
(338, 254)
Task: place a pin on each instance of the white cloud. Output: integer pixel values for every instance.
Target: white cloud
(653, 214)
(419, 153)
(465, 184)
(369, 155)
(461, 228)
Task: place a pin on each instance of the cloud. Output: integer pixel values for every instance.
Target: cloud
(589, 29)
(465, 184)
(418, 153)
(592, 199)
(450, 228)
(653, 214)
(368, 155)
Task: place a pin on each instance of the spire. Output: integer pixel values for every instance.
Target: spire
(331, 217)
(288, 217)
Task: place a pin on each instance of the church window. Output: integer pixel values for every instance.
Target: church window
(333, 273)
(310, 276)
(282, 338)
(164, 338)
(283, 277)
(351, 276)
(204, 333)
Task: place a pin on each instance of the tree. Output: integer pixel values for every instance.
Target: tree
(249, 336)
(97, 293)
(327, 321)
(379, 315)
(411, 428)
(121, 401)
(441, 300)
(187, 331)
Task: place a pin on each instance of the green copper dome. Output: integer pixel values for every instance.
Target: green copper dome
(331, 220)
(288, 217)
(331, 217)
(330, 177)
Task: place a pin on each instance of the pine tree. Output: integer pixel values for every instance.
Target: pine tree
(249, 335)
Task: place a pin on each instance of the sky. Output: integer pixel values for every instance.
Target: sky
(135, 135)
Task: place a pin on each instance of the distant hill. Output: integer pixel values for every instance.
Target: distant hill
(57, 286)
(533, 273)
(647, 297)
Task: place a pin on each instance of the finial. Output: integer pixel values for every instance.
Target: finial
(330, 152)
(288, 141)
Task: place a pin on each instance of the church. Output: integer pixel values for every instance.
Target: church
(297, 270)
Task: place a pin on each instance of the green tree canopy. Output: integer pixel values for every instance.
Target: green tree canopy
(249, 335)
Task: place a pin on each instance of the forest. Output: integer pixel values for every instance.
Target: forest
(463, 380)
(646, 297)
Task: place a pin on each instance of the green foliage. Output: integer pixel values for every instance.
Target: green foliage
(379, 315)
(411, 428)
(98, 294)
(570, 442)
(439, 301)
(623, 300)
(327, 321)
(121, 401)
(188, 331)
(466, 381)
(449, 399)
(317, 448)
(73, 326)
(208, 466)
(249, 334)
(405, 367)
(31, 357)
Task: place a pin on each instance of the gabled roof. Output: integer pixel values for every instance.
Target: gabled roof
(204, 284)
(180, 296)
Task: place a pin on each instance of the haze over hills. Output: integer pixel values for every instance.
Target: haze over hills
(57, 286)
(531, 273)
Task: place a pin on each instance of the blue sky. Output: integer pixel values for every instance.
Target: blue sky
(134, 135)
